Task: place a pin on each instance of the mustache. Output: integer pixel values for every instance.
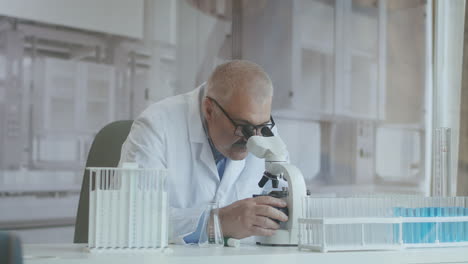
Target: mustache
(240, 143)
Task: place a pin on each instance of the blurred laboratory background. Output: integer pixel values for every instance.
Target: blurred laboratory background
(353, 83)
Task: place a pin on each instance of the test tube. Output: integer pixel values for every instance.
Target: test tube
(441, 162)
(465, 225)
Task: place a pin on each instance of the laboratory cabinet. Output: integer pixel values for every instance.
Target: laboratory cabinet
(72, 101)
(13, 98)
(204, 40)
(58, 87)
(118, 17)
(342, 59)
(326, 58)
(46, 218)
(343, 71)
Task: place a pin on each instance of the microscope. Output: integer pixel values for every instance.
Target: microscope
(273, 150)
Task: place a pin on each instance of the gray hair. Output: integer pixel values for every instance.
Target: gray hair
(239, 76)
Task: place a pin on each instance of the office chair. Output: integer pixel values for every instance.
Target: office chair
(10, 249)
(104, 152)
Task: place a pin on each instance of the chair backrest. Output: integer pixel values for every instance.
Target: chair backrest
(10, 249)
(104, 152)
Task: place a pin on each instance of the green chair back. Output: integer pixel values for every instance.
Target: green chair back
(10, 249)
(104, 152)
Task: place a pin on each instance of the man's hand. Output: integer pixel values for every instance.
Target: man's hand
(251, 217)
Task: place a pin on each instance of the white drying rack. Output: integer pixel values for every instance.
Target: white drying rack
(128, 209)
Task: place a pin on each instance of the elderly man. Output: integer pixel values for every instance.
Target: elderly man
(199, 138)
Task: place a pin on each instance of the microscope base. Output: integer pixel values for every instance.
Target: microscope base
(281, 238)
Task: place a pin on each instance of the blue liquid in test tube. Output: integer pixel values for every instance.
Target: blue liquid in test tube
(423, 212)
(438, 213)
(432, 226)
(460, 229)
(406, 226)
(449, 227)
(465, 225)
(412, 226)
(396, 227)
(453, 232)
(418, 234)
(443, 226)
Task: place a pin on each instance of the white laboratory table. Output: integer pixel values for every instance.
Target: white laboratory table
(77, 253)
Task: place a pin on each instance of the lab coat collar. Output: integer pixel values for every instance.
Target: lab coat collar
(196, 132)
(197, 135)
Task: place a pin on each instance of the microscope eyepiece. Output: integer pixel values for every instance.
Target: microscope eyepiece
(247, 132)
(266, 132)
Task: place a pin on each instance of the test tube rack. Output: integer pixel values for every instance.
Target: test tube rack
(128, 209)
(383, 223)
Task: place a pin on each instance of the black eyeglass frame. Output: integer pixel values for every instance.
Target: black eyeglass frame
(239, 128)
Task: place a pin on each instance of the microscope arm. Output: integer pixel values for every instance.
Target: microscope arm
(296, 189)
(273, 150)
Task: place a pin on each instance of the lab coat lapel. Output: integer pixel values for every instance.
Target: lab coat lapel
(231, 174)
(206, 156)
(197, 135)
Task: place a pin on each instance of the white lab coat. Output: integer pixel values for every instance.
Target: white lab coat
(169, 134)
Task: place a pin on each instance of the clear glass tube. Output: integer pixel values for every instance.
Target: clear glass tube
(441, 162)
(211, 234)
